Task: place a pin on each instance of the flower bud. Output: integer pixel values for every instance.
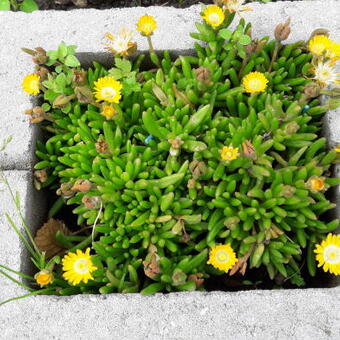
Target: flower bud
(191, 183)
(91, 202)
(84, 94)
(42, 72)
(231, 222)
(65, 190)
(282, 31)
(37, 114)
(79, 77)
(315, 184)
(291, 128)
(249, 150)
(203, 75)
(178, 277)
(197, 168)
(151, 265)
(102, 146)
(319, 31)
(175, 146)
(40, 57)
(288, 191)
(62, 101)
(82, 185)
(312, 90)
(197, 278)
(41, 175)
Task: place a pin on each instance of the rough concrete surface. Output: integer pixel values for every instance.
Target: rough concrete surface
(264, 315)
(33, 208)
(86, 27)
(284, 314)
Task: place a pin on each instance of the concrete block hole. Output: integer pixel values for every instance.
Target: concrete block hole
(44, 198)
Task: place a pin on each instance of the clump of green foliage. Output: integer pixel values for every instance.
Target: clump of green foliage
(27, 6)
(151, 182)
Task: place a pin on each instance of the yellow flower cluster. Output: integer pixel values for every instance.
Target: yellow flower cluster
(328, 254)
(31, 84)
(326, 52)
(228, 153)
(78, 267)
(254, 82)
(222, 257)
(107, 89)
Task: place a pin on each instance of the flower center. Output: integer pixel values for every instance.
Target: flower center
(332, 254)
(325, 74)
(228, 154)
(222, 256)
(108, 92)
(81, 266)
(214, 18)
(255, 84)
(120, 45)
(147, 28)
(34, 84)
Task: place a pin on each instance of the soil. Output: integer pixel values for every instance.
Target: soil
(104, 4)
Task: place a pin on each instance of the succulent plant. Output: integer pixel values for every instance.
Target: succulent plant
(151, 178)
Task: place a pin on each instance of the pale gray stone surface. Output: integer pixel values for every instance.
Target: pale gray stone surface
(285, 314)
(309, 314)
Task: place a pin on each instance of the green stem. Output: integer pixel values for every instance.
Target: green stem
(16, 281)
(36, 292)
(18, 273)
(26, 227)
(274, 56)
(153, 55)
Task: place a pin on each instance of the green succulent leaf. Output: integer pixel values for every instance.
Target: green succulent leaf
(28, 6)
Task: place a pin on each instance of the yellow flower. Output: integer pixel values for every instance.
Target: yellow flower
(213, 15)
(108, 111)
(325, 73)
(328, 254)
(333, 51)
(108, 89)
(316, 184)
(44, 277)
(78, 267)
(31, 84)
(222, 257)
(228, 153)
(337, 149)
(319, 44)
(236, 6)
(255, 82)
(146, 25)
(121, 45)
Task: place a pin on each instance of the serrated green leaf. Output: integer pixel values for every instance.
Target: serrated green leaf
(71, 49)
(225, 34)
(52, 54)
(72, 61)
(62, 50)
(244, 40)
(116, 73)
(123, 64)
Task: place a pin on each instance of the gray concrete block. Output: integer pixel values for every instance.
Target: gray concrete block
(86, 27)
(33, 208)
(281, 314)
